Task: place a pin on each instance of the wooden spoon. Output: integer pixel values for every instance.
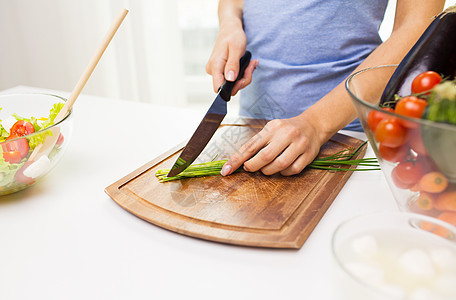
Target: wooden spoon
(46, 147)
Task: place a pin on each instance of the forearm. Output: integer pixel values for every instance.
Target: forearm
(335, 110)
(230, 11)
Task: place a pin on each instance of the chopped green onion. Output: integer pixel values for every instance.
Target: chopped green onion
(332, 163)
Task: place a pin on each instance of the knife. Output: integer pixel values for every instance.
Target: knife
(210, 122)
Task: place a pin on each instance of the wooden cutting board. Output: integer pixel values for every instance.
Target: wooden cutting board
(248, 209)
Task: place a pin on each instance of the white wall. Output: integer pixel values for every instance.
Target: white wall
(48, 43)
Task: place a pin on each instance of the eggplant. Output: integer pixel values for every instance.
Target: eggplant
(434, 51)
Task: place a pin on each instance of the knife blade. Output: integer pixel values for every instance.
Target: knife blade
(211, 121)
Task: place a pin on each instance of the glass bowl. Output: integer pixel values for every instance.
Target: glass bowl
(17, 170)
(394, 256)
(417, 156)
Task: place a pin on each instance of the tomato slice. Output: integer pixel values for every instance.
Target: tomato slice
(21, 128)
(13, 157)
(21, 145)
(425, 81)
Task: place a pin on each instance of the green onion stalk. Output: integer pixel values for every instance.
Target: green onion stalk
(340, 161)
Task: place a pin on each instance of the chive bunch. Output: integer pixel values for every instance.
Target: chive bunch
(340, 161)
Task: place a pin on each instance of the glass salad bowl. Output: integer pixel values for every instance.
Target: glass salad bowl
(26, 122)
(417, 156)
(388, 256)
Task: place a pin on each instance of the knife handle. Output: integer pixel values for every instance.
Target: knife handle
(227, 86)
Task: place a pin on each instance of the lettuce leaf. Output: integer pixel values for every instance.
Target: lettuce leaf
(7, 172)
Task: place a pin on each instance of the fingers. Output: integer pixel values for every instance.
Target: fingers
(271, 158)
(248, 150)
(215, 67)
(235, 53)
(246, 79)
(219, 62)
(281, 147)
(282, 161)
(298, 165)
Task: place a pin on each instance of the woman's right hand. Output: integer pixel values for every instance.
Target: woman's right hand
(223, 63)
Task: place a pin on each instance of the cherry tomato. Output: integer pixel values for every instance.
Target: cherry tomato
(374, 117)
(20, 145)
(406, 174)
(13, 157)
(415, 140)
(397, 154)
(390, 133)
(21, 128)
(412, 107)
(425, 81)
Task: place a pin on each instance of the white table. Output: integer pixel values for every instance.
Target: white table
(64, 238)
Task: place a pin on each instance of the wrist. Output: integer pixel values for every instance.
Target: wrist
(320, 125)
(230, 21)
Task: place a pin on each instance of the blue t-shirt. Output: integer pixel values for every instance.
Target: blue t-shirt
(305, 48)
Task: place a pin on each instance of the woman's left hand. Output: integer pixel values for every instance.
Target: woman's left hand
(283, 145)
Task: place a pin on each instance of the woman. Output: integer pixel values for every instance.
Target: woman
(305, 50)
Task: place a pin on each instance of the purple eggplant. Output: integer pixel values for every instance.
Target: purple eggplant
(434, 51)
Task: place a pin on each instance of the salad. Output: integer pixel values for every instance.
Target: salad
(19, 136)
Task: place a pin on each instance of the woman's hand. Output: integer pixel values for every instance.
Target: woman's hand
(223, 63)
(284, 145)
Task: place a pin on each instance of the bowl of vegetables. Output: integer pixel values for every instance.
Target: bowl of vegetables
(31, 141)
(413, 136)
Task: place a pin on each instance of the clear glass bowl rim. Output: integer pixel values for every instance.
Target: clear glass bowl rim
(44, 129)
(444, 126)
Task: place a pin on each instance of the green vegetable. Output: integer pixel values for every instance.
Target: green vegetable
(442, 103)
(340, 161)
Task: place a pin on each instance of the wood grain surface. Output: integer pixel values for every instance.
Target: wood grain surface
(248, 209)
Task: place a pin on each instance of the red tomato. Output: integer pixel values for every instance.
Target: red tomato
(13, 157)
(20, 145)
(374, 117)
(425, 81)
(390, 133)
(397, 154)
(415, 140)
(21, 128)
(20, 177)
(407, 174)
(412, 107)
